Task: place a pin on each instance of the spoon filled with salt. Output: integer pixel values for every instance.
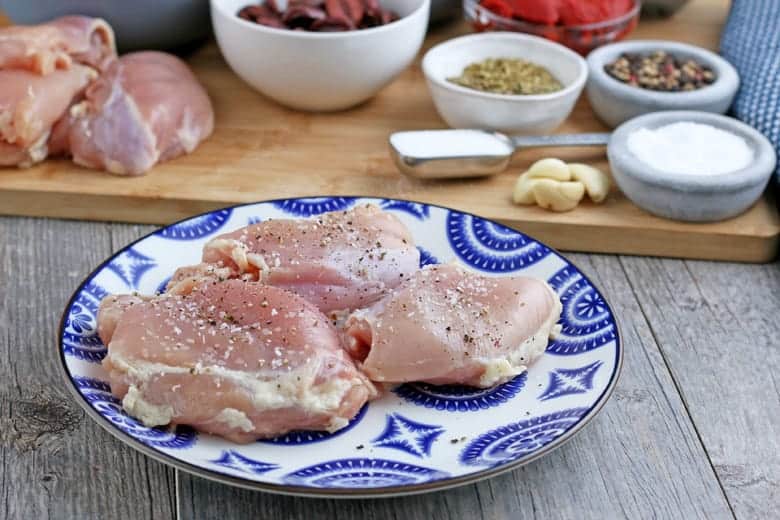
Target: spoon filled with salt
(441, 154)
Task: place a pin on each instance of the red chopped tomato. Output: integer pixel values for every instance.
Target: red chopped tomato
(539, 11)
(579, 12)
(619, 7)
(565, 12)
(499, 7)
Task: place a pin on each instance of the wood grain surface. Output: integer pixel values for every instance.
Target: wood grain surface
(54, 461)
(740, 310)
(261, 150)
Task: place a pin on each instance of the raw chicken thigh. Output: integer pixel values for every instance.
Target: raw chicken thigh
(147, 107)
(238, 359)
(447, 325)
(111, 310)
(30, 104)
(339, 260)
(43, 70)
(57, 44)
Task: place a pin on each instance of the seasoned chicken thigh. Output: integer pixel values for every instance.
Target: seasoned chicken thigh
(147, 107)
(339, 260)
(447, 325)
(235, 358)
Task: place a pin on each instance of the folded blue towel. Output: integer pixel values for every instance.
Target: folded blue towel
(751, 42)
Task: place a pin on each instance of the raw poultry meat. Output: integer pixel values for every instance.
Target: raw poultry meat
(144, 108)
(447, 325)
(43, 69)
(111, 310)
(57, 45)
(338, 260)
(235, 358)
(185, 278)
(30, 104)
(147, 107)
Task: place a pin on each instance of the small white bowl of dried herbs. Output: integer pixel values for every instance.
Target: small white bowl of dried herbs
(508, 82)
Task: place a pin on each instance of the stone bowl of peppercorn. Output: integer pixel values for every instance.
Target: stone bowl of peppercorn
(629, 79)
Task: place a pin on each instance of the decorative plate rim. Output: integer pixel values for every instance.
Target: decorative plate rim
(314, 492)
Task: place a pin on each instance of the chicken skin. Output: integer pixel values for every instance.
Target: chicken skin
(235, 358)
(147, 107)
(339, 260)
(447, 325)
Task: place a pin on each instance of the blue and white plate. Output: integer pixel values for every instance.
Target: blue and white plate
(417, 437)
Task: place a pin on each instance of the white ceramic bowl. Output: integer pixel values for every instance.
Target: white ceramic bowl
(319, 71)
(463, 107)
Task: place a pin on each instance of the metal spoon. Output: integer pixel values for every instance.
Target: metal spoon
(441, 154)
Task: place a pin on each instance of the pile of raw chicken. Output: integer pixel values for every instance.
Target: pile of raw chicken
(64, 92)
(288, 324)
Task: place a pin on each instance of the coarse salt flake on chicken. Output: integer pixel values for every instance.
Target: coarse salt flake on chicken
(447, 325)
(235, 358)
(338, 260)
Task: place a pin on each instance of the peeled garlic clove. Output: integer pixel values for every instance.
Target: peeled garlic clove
(524, 193)
(558, 196)
(549, 169)
(572, 190)
(596, 181)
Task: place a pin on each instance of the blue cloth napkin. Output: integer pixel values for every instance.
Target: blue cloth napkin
(751, 42)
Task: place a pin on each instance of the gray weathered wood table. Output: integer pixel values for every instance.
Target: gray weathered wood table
(692, 431)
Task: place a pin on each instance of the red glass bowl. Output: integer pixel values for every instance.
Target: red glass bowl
(579, 38)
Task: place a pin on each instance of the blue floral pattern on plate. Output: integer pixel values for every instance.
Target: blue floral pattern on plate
(197, 227)
(404, 434)
(236, 461)
(307, 437)
(314, 205)
(458, 398)
(162, 286)
(80, 337)
(98, 394)
(130, 266)
(415, 209)
(565, 381)
(363, 473)
(454, 432)
(491, 247)
(587, 323)
(516, 440)
(426, 257)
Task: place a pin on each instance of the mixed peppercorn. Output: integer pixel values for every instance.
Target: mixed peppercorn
(660, 71)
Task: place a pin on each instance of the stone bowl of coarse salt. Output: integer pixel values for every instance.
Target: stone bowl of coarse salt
(692, 166)
(615, 102)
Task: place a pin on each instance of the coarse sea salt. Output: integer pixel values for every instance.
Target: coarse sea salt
(688, 148)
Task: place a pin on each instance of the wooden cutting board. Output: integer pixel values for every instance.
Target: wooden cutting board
(260, 150)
